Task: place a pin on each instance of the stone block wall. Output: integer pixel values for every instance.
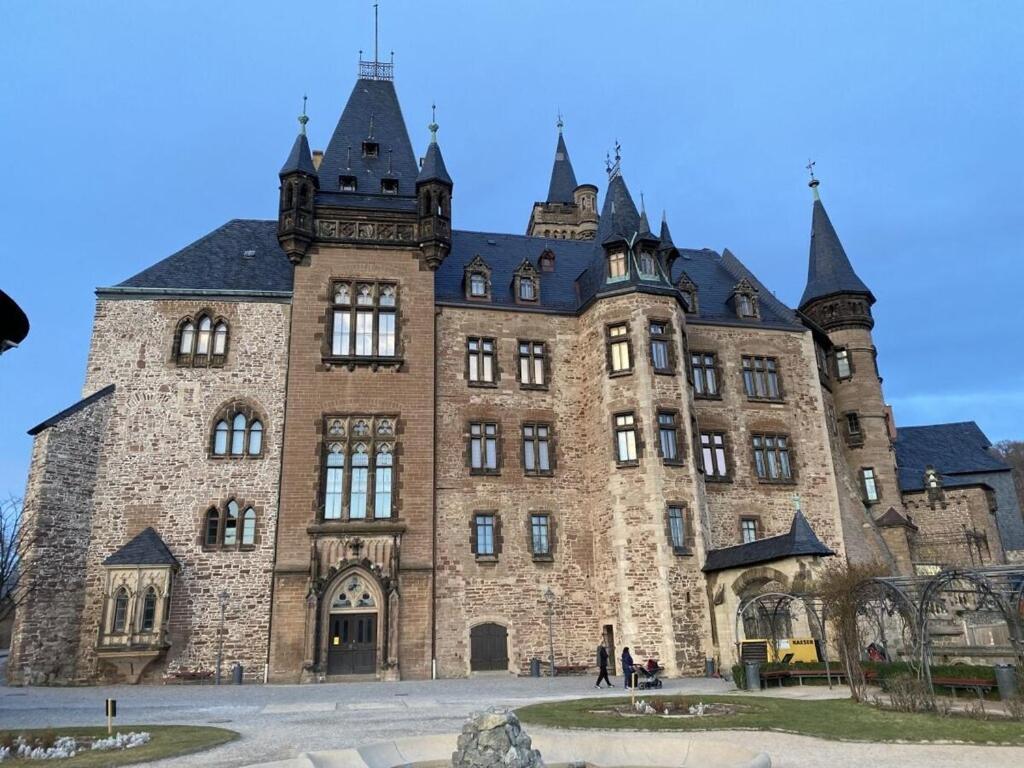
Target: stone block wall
(58, 515)
(945, 524)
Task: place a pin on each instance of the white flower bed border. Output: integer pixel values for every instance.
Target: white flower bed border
(68, 746)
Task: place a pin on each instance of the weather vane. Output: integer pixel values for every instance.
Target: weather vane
(810, 168)
(303, 118)
(560, 122)
(610, 167)
(813, 183)
(433, 124)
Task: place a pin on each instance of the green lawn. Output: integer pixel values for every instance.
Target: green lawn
(166, 741)
(839, 719)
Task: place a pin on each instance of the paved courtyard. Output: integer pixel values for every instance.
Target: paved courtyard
(278, 722)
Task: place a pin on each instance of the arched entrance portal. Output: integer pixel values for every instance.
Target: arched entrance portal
(488, 648)
(353, 626)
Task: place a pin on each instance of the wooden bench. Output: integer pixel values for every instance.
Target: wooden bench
(799, 674)
(977, 684)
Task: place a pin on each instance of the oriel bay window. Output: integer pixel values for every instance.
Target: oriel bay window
(358, 467)
(620, 359)
(536, 449)
(771, 458)
(483, 447)
(761, 378)
(626, 443)
(661, 350)
(705, 374)
(480, 368)
(713, 458)
(364, 320)
(532, 358)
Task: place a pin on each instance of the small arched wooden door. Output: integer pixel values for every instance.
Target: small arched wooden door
(488, 648)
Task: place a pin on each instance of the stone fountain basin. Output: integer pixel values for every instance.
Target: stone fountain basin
(604, 750)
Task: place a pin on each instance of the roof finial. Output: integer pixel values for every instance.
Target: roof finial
(560, 122)
(370, 134)
(433, 124)
(643, 205)
(303, 118)
(613, 168)
(813, 183)
(664, 218)
(375, 46)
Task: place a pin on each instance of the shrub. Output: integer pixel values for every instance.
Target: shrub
(909, 694)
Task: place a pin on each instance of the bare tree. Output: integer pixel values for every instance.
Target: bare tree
(14, 542)
(1012, 452)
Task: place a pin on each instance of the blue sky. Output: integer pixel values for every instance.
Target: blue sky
(129, 129)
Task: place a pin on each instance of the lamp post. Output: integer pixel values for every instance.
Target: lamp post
(549, 596)
(223, 598)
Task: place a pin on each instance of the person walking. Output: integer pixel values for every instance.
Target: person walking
(602, 665)
(627, 667)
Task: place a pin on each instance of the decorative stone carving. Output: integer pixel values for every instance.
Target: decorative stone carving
(495, 739)
(376, 231)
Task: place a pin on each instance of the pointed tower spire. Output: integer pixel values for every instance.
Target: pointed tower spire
(433, 168)
(299, 185)
(300, 160)
(829, 271)
(563, 178)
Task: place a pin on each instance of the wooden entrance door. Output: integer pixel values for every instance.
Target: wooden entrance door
(352, 644)
(488, 648)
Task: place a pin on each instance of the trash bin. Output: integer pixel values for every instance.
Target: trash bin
(236, 674)
(534, 667)
(1006, 679)
(752, 670)
(709, 667)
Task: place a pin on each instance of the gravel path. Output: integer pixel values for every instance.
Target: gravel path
(277, 722)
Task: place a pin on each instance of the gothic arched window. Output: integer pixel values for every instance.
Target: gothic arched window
(211, 527)
(237, 432)
(148, 618)
(228, 528)
(365, 446)
(231, 524)
(201, 341)
(249, 527)
(120, 610)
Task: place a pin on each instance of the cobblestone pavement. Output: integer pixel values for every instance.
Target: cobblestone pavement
(278, 722)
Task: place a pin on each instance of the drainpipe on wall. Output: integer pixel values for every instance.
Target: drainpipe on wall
(433, 533)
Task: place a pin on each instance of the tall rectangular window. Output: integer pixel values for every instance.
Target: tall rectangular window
(852, 425)
(761, 378)
(358, 467)
(536, 449)
(661, 357)
(334, 483)
(869, 484)
(617, 266)
(364, 321)
(480, 360)
(483, 525)
(360, 471)
(483, 446)
(531, 363)
(843, 369)
(705, 375)
(712, 446)
(619, 359)
(382, 483)
(749, 529)
(625, 438)
(540, 535)
(668, 436)
(771, 457)
(677, 528)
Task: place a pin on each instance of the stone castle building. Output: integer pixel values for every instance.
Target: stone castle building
(357, 442)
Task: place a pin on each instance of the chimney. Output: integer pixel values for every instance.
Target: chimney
(318, 157)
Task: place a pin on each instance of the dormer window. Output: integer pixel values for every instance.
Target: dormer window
(389, 186)
(526, 283)
(744, 297)
(746, 306)
(477, 285)
(547, 261)
(527, 289)
(371, 149)
(347, 183)
(689, 290)
(648, 268)
(617, 266)
(477, 280)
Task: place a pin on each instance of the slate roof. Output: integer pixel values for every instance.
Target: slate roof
(147, 548)
(371, 101)
(83, 403)
(219, 262)
(433, 166)
(828, 269)
(959, 448)
(300, 159)
(563, 178)
(800, 540)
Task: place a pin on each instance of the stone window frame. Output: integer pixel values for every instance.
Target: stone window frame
(481, 353)
(745, 290)
(849, 363)
(680, 458)
(477, 266)
(219, 511)
(862, 483)
(192, 358)
(703, 368)
(383, 432)
(853, 438)
(787, 449)
(666, 337)
(688, 288)
(744, 518)
(483, 423)
(496, 537)
(549, 555)
(551, 442)
(531, 357)
(610, 340)
(523, 273)
(636, 427)
(726, 454)
(227, 414)
(767, 361)
(351, 360)
(688, 547)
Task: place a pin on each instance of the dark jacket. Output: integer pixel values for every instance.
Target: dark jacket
(602, 657)
(627, 662)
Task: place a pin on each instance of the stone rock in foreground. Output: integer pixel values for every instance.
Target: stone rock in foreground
(495, 739)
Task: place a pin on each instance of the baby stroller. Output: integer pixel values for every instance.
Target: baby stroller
(647, 678)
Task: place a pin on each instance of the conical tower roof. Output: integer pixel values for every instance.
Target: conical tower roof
(620, 219)
(829, 270)
(665, 237)
(300, 160)
(433, 168)
(563, 178)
